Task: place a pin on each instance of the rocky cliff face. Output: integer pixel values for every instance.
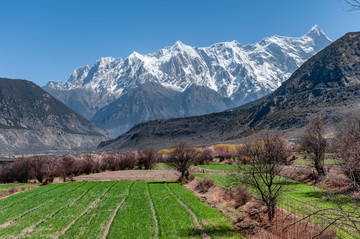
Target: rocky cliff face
(32, 120)
(327, 84)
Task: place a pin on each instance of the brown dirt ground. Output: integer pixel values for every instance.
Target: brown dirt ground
(132, 175)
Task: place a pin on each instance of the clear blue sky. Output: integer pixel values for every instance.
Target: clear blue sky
(42, 40)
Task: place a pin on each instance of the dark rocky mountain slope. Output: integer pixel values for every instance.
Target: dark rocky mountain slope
(153, 101)
(327, 84)
(31, 120)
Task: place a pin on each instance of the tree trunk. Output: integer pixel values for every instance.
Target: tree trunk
(319, 167)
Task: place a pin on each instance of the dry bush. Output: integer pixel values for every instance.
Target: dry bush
(239, 195)
(203, 185)
(11, 190)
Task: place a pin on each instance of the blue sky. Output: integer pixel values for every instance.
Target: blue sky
(42, 40)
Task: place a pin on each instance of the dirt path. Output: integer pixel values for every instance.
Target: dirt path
(132, 175)
(107, 229)
(153, 212)
(197, 224)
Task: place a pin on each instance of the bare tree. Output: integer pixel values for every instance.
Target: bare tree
(181, 158)
(266, 157)
(314, 143)
(348, 149)
(146, 158)
(354, 4)
(205, 156)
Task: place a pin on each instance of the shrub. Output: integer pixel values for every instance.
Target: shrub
(203, 185)
(11, 190)
(239, 195)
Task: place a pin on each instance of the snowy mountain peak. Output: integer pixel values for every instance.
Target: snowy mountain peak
(180, 47)
(241, 73)
(316, 32)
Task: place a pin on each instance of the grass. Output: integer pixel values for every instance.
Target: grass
(162, 166)
(328, 159)
(225, 167)
(120, 209)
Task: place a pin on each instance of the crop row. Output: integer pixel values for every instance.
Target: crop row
(109, 210)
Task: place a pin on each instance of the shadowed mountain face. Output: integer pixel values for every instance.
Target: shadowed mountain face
(32, 120)
(327, 84)
(153, 101)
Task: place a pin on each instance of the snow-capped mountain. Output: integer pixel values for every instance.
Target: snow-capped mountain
(240, 73)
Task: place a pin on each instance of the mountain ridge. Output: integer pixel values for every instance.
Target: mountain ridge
(32, 120)
(325, 84)
(241, 73)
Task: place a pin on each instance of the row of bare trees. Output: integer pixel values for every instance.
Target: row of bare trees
(45, 169)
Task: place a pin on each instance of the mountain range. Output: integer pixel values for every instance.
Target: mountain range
(31, 120)
(181, 80)
(328, 84)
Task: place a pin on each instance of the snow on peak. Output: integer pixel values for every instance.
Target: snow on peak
(316, 32)
(229, 68)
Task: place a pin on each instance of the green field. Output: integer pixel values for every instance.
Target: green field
(120, 209)
(301, 199)
(225, 167)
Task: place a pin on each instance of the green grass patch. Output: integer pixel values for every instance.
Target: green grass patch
(162, 166)
(225, 167)
(85, 210)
